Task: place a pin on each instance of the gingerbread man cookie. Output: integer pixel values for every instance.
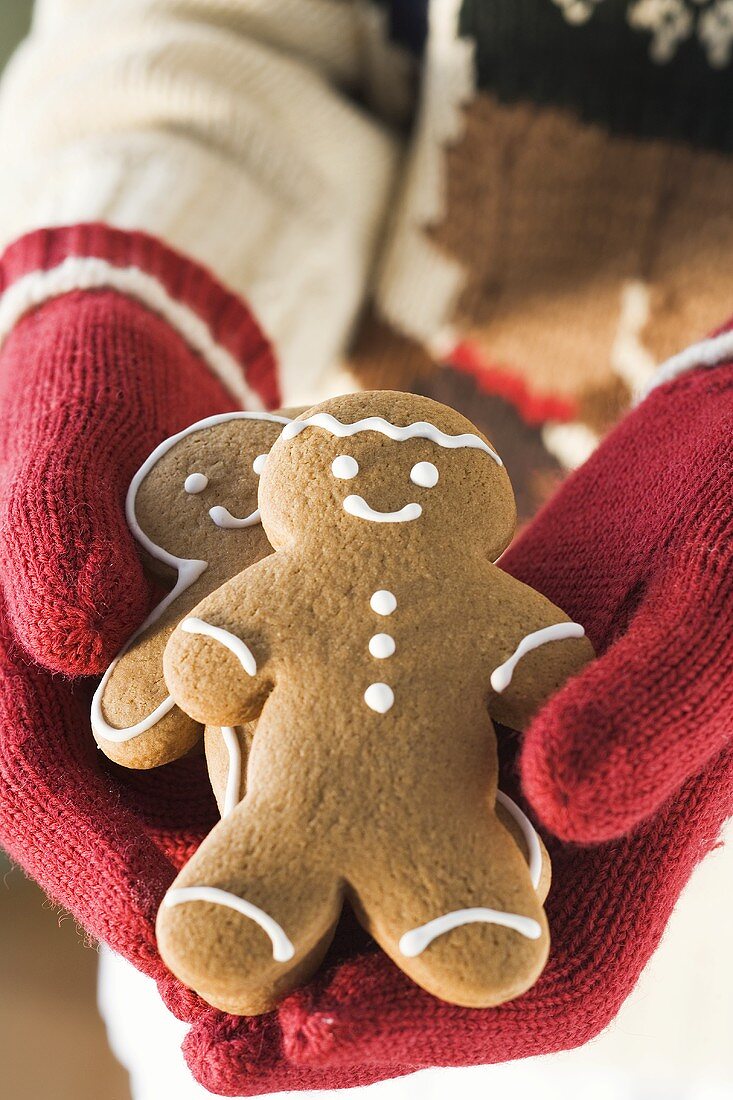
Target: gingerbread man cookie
(371, 648)
(192, 507)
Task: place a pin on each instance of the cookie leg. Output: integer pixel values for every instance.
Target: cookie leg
(251, 915)
(461, 918)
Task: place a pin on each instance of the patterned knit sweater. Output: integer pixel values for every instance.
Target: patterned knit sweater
(520, 207)
(546, 207)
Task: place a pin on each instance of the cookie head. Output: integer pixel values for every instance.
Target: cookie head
(198, 490)
(387, 467)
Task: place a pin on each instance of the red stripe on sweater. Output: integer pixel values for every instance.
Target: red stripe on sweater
(534, 408)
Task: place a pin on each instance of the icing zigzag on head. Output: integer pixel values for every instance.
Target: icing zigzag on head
(419, 430)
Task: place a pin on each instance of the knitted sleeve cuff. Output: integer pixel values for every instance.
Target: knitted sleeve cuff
(711, 352)
(213, 321)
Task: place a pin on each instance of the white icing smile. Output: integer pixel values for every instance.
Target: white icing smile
(357, 506)
(222, 517)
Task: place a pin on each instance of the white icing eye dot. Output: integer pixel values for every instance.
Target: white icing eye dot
(424, 474)
(383, 602)
(259, 464)
(345, 467)
(379, 697)
(195, 483)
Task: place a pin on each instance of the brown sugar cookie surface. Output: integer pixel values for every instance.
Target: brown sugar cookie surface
(193, 509)
(364, 647)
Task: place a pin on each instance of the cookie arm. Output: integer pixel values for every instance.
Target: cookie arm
(217, 662)
(539, 650)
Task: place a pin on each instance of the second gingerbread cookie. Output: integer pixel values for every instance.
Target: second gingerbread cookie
(371, 647)
(192, 507)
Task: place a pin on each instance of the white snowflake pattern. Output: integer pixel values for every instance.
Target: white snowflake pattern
(669, 23)
(715, 31)
(577, 11)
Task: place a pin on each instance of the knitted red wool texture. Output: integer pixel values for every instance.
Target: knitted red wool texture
(642, 555)
(104, 842)
(91, 382)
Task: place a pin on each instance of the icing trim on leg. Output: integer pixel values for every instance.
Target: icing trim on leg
(282, 948)
(528, 832)
(234, 772)
(415, 941)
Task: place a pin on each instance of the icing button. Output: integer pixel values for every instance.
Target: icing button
(381, 646)
(383, 602)
(379, 697)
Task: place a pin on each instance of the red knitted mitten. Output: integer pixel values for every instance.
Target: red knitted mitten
(638, 546)
(110, 343)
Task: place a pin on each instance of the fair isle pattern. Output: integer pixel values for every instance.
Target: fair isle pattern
(577, 12)
(670, 23)
(92, 273)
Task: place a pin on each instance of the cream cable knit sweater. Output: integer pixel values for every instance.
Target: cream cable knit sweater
(230, 128)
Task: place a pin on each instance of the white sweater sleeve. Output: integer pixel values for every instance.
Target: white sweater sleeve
(226, 128)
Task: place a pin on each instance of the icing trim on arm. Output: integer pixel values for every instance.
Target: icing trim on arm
(501, 677)
(282, 947)
(235, 645)
(188, 569)
(419, 430)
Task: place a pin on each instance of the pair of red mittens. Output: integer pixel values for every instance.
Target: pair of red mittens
(110, 343)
